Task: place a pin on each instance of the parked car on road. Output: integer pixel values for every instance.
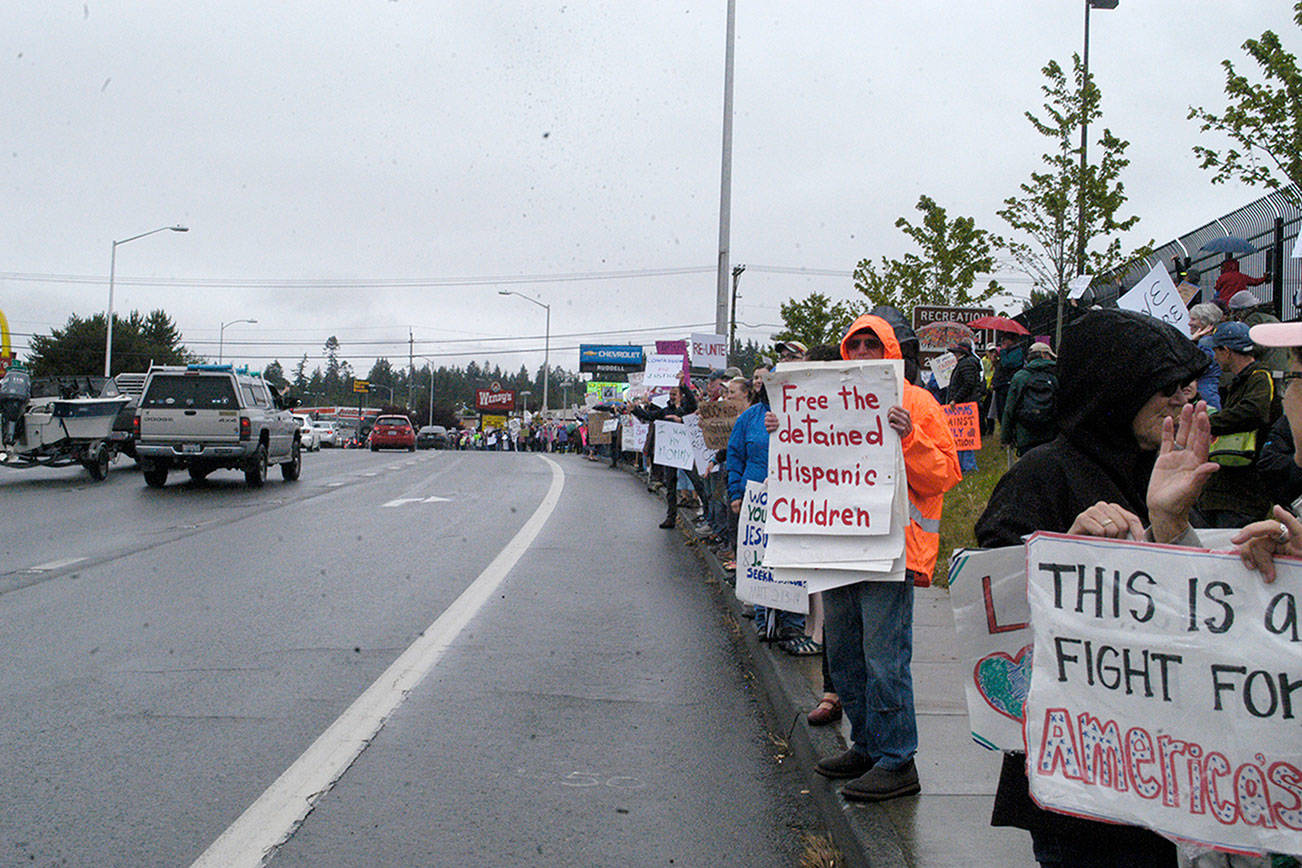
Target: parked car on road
(432, 437)
(393, 432)
(309, 432)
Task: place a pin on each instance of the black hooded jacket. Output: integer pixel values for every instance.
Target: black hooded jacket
(1111, 362)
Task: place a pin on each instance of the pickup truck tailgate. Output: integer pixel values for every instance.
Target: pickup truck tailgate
(183, 408)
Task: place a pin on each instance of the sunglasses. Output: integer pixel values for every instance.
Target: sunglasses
(866, 343)
(1171, 388)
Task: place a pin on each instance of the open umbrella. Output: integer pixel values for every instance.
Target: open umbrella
(999, 324)
(943, 335)
(1229, 244)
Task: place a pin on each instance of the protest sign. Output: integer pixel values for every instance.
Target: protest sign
(942, 368)
(1077, 285)
(755, 582)
(677, 349)
(965, 424)
(701, 453)
(717, 419)
(832, 461)
(1166, 689)
(609, 426)
(662, 370)
(709, 351)
(598, 434)
(988, 592)
(1157, 296)
(673, 445)
(633, 437)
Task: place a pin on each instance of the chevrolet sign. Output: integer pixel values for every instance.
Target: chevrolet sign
(625, 356)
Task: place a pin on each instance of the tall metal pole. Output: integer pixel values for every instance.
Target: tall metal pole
(547, 350)
(108, 338)
(725, 192)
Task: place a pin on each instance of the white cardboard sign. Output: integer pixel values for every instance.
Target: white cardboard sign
(673, 445)
(942, 366)
(709, 351)
(662, 370)
(832, 461)
(634, 435)
(755, 582)
(1157, 296)
(701, 453)
(1166, 691)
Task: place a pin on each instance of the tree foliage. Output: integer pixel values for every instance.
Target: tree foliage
(78, 348)
(1263, 119)
(944, 271)
(1048, 210)
(817, 320)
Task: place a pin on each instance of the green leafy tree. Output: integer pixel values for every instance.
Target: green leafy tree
(138, 341)
(1047, 211)
(944, 271)
(1263, 119)
(332, 380)
(300, 374)
(274, 374)
(816, 319)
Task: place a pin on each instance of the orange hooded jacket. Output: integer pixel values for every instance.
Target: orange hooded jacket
(930, 459)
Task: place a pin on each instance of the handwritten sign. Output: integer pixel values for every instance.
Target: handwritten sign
(634, 435)
(717, 419)
(1166, 691)
(662, 370)
(609, 426)
(755, 582)
(942, 368)
(832, 467)
(701, 453)
(598, 434)
(1157, 296)
(988, 592)
(1077, 285)
(965, 424)
(673, 445)
(709, 351)
(677, 349)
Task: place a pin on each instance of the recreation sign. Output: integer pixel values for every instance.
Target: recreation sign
(1166, 689)
(926, 314)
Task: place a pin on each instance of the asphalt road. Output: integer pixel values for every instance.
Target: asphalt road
(402, 659)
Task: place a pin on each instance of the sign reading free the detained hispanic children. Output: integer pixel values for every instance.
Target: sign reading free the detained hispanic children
(1166, 691)
(832, 461)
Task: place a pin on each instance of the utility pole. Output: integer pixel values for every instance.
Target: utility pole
(411, 368)
(725, 183)
(732, 319)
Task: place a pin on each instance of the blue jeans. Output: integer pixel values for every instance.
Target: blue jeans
(868, 629)
(966, 460)
(784, 620)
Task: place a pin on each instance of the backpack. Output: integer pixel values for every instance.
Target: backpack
(1037, 406)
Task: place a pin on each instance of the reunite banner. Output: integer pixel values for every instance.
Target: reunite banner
(673, 445)
(1166, 691)
(755, 582)
(832, 461)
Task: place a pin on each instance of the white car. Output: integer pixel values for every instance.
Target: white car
(327, 434)
(311, 434)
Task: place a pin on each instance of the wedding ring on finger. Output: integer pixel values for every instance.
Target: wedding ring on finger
(1281, 538)
(1106, 521)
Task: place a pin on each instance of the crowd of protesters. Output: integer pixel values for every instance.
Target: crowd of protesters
(1129, 429)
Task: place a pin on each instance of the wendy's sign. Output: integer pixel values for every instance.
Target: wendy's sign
(495, 399)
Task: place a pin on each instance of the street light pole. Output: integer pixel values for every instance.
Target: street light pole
(547, 340)
(221, 335)
(113, 264)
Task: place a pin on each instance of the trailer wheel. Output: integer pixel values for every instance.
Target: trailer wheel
(98, 462)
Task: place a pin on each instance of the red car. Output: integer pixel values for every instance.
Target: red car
(393, 432)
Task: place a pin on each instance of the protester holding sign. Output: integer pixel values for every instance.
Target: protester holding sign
(1122, 376)
(748, 460)
(966, 385)
(1030, 413)
(869, 632)
(681, 403)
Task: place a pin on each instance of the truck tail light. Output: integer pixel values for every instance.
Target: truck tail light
(246, 428)
(135, 426)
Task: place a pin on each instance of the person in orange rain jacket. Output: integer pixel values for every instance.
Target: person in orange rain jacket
(868, 627)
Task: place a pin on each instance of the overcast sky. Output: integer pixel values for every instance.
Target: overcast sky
(367, 168)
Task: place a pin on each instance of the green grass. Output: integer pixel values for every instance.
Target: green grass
(965, 502)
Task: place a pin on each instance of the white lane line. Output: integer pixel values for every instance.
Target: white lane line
(270, 820)
(334, 484)
(55, 565)
(400, 501)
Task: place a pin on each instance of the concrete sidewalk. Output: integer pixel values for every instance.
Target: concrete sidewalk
(949, 823)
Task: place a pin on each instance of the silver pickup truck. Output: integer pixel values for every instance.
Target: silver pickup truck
(207, 417)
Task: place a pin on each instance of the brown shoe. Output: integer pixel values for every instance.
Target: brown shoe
(827, 711)
(847, 764)
(879, 784)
